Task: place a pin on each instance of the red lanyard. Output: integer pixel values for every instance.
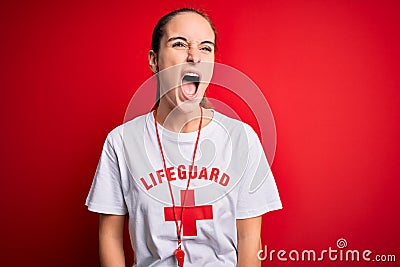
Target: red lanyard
(179, 253)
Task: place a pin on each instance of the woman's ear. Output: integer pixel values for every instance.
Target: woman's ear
(152, 57)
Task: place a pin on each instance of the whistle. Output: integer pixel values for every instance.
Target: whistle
(180, 256)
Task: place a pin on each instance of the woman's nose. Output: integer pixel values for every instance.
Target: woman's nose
(193, 55)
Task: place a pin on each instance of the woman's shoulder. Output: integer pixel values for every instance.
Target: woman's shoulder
(131, 127)
(232, 124)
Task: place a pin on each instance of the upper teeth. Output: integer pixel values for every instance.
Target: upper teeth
(192, 74)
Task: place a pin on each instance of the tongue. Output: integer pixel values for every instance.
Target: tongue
(189, 89)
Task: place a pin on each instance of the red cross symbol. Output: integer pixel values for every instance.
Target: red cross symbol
(191, 213)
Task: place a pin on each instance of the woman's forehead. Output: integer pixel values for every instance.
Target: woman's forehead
(190, 25)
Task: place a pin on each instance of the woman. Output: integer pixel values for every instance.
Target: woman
(182, 173)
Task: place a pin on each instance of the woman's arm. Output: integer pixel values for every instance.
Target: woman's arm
(249, 241)
(111, 246)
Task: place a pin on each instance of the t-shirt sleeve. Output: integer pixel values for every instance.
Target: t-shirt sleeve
(258, 193)
(106, 194)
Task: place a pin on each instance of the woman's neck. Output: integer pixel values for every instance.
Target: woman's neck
(177, 120)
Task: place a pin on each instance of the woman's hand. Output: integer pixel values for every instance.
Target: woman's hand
(249, 241)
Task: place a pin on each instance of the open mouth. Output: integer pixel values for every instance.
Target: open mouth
(190, 84)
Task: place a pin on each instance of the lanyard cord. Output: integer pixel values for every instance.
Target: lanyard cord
(178, 227)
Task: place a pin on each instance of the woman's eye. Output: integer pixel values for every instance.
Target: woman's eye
(179, 45)
(207, 49)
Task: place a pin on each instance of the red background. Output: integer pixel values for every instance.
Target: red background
(330, 72)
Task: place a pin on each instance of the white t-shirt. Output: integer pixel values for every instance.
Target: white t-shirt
(230, 180)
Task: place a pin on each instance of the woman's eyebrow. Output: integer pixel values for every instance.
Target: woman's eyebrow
(185, 40)
(177, 38)
(208, 42)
